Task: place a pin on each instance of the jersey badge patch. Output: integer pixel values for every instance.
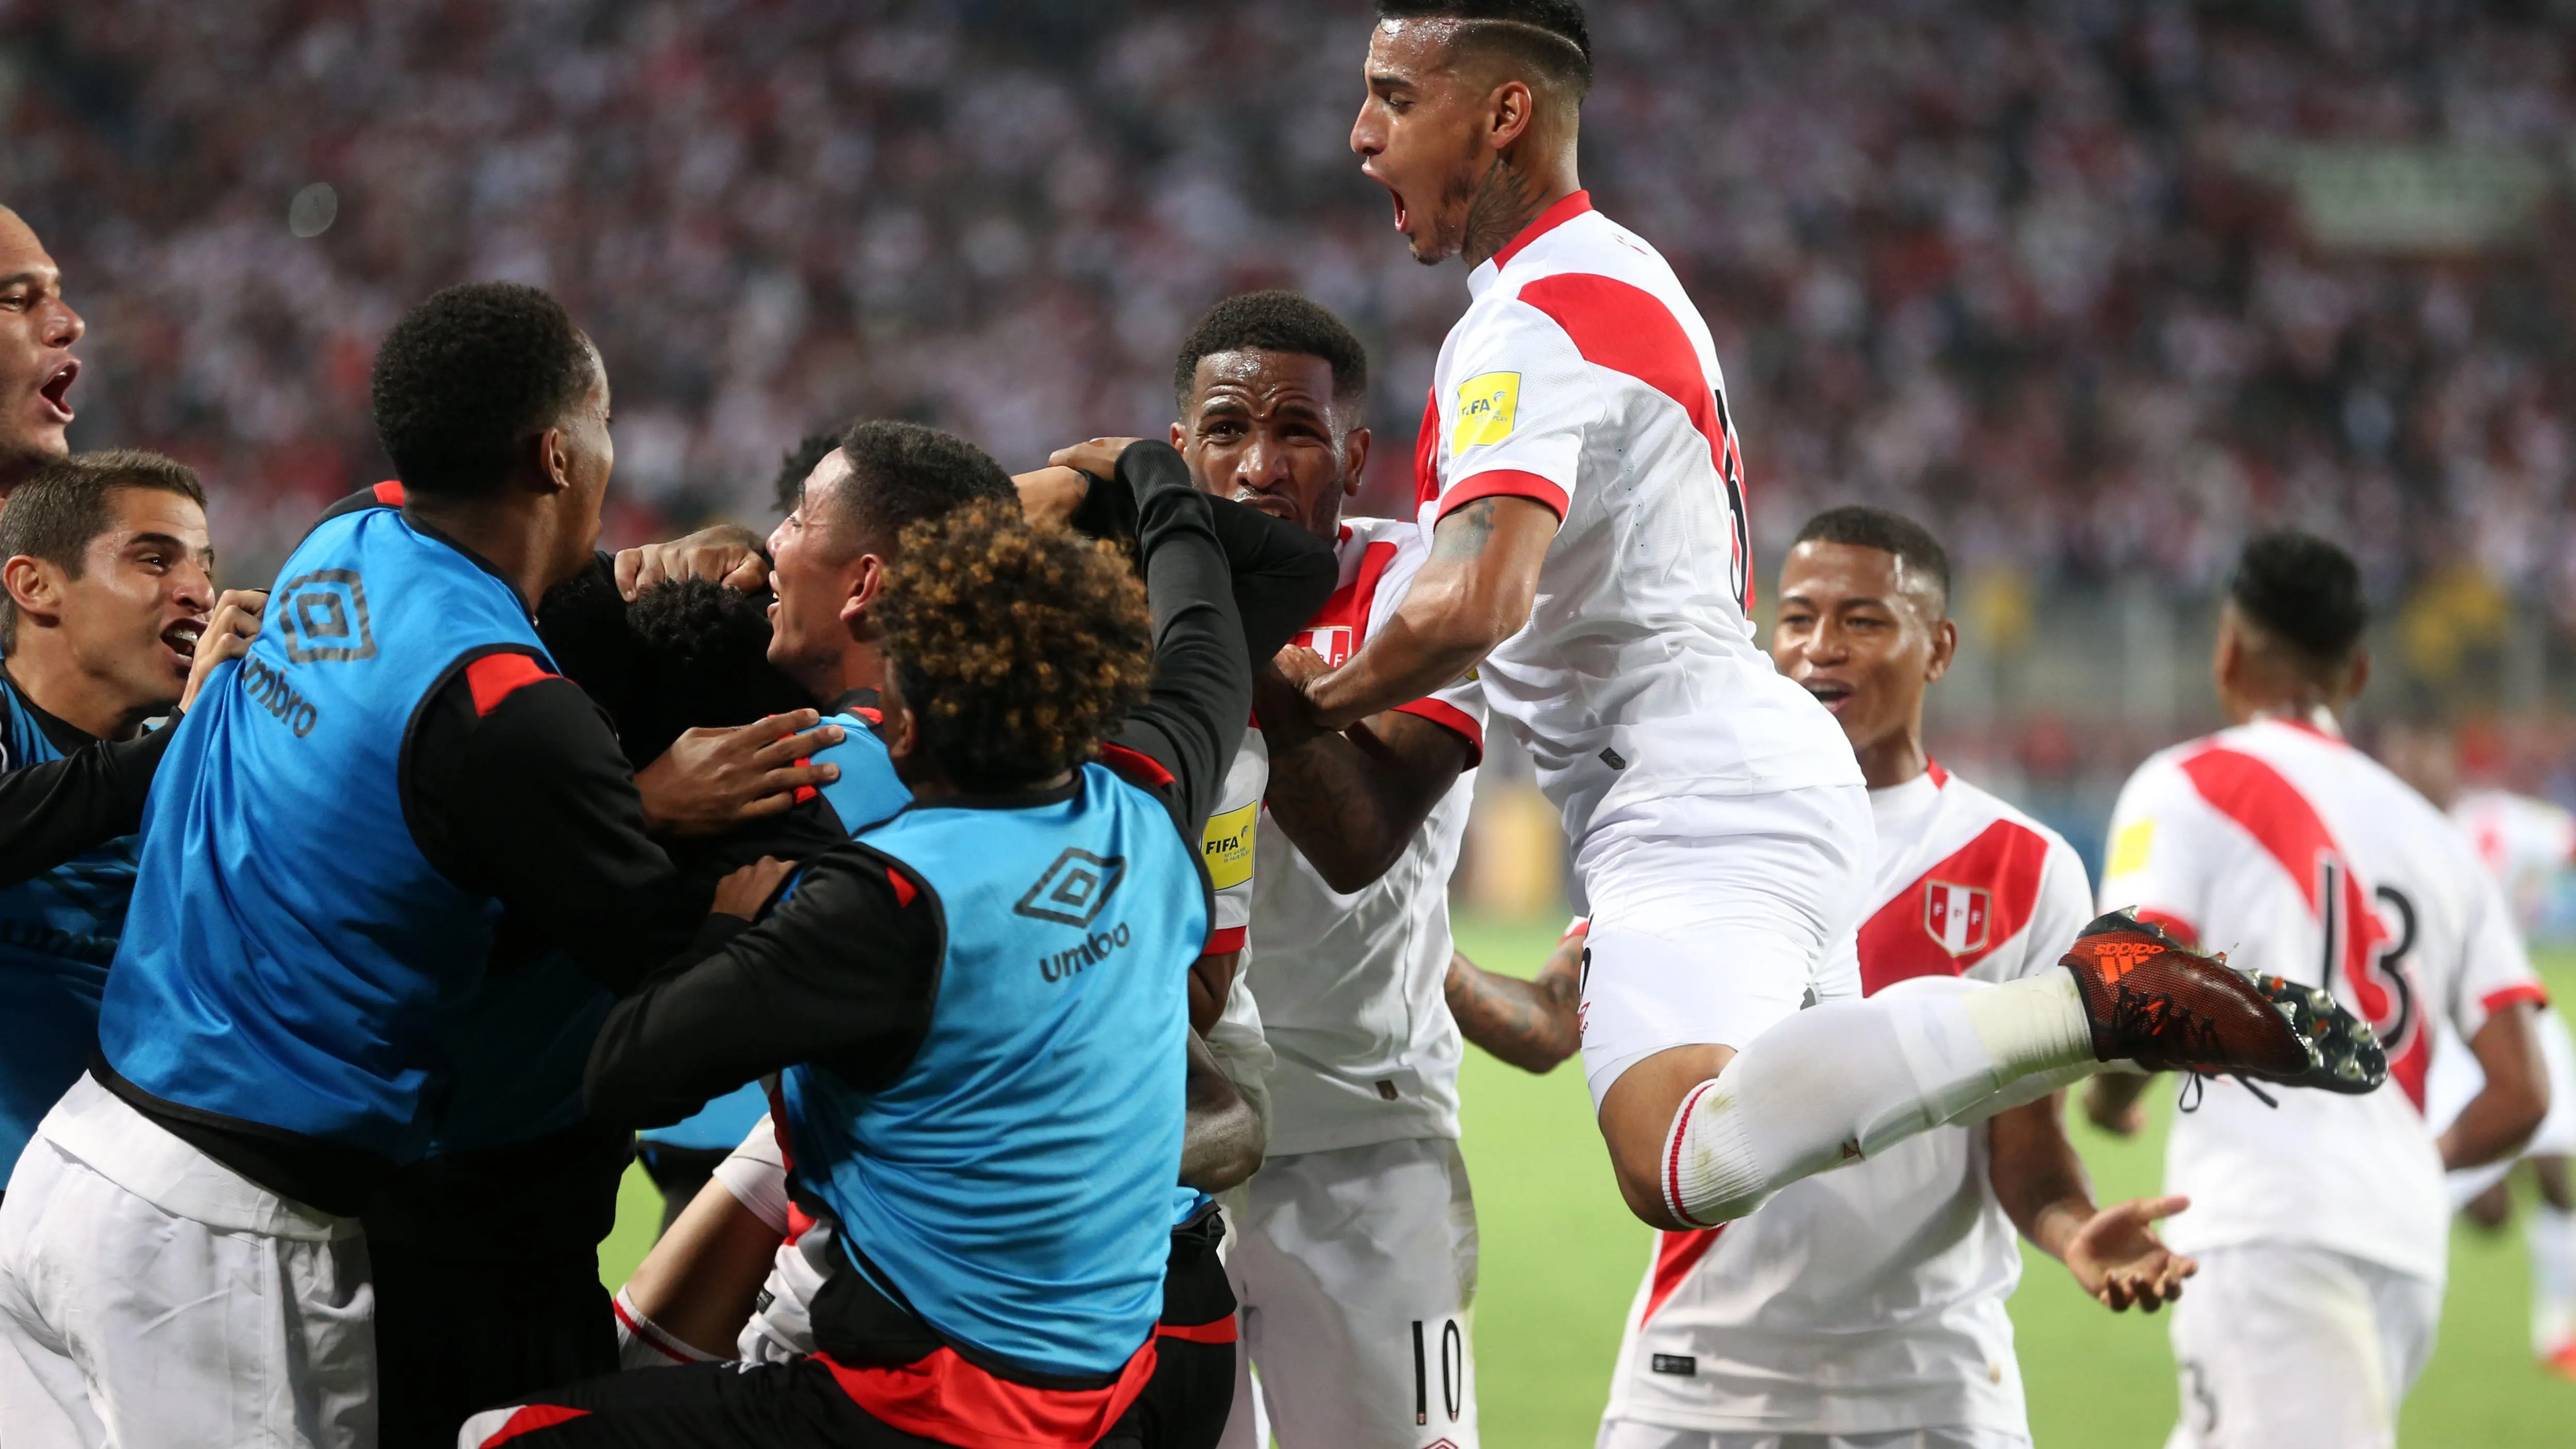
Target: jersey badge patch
(2129, 852)
(1955, 915)
(1487, 407)
(1227, 846)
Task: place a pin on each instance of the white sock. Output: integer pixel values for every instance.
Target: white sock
(1848, 1079)
(644, 1344)
(2550, 1237)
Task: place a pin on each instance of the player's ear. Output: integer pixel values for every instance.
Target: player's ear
(1513, 107)
(33, 587)
(1945, 648)
(1355, 455)
(1180, 437)
(554, 461)
(2358, 679)
(865, 590)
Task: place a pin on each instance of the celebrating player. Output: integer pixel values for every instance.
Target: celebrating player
(1870, 1302)
(1590, 560)
(108, 594)
(332, 836)
(1355, 1244)
(37, 369)
(975, 1098)
(2321, 1224)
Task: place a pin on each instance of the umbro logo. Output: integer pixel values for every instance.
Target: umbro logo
(322, 617)
(1073, 890)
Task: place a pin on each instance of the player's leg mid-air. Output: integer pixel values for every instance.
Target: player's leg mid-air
(1581, 482)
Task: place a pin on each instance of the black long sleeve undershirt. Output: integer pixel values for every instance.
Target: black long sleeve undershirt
(846, 971)
(66, 808)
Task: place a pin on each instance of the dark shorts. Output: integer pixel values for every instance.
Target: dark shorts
(1186, 1405)
(701, 1406)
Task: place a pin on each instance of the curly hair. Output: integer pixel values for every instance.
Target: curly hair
(467, 374)
(1016, 648)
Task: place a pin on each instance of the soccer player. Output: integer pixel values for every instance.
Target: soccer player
(1590, 560)
(1355, 1250)
(37, 368)
(1866, 1307)
(332, 836)
(108, 590)
(980, 1006)
(2524, 844)
(2320, 1222)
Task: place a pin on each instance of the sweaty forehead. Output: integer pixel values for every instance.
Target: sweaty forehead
(1414, 47)
(1829, 573)
(1264, 379)
(20, 251)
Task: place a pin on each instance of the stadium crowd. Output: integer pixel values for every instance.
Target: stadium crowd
(2004, 262)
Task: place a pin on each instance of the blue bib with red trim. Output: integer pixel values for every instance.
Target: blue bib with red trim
(1014, 1184)
(289, 952)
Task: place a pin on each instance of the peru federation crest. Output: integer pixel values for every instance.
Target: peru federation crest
(1955, 915)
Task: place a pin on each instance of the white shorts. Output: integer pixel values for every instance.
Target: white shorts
(1630, 1434)
(1356, 1271)
(2286, 1347)
(141, 1302)
(1714, 917)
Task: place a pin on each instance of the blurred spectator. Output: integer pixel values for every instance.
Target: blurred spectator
(2000, 264)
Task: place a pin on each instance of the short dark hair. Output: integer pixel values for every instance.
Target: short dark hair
(1547, 36)
(1016, 648)
(798, 463)
(1856, 525)
(63, 507)
(1273, 321)
(2304, 592)
(464, 377)
(902, 473)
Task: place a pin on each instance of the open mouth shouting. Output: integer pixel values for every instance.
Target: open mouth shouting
(1833, 694)
(55, 392)
(181, 640)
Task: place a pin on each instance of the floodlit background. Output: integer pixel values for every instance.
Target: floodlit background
(2093, 286)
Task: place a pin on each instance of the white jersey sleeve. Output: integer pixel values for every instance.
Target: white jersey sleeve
(2159, 858)
(1228, 844)
(1515, 423)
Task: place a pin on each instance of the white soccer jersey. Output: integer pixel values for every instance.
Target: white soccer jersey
(1352, 987)
(1229, 847)
(1582, 377)
(1871, 1299)
(2524, 842)
(2301, 857)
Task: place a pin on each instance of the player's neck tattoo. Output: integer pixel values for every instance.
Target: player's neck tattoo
(1505, 202)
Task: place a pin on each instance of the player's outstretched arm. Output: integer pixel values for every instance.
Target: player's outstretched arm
(1223, 1143)
(2113, 1253)
(1352, 799)
(1531, 1024)
(1475, 591)
(2507, 1110)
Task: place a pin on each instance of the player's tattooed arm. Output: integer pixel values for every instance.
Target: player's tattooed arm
(1223, 1142)
(1352, 799)
(1531, 1024)
(2113, 1253)
(1475, 591)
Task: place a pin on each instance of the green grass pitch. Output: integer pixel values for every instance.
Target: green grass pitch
(1561, 1257)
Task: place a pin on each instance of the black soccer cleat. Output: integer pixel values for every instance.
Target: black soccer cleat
(2153, 1000)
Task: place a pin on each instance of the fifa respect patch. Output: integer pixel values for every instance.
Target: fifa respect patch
(1487, 405)
(1227, 846)
(2129, 852)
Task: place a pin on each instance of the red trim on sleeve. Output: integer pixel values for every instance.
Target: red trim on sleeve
(905, 892)
(1221, 1331)
(1441, 712)
(1582, 927)
(1224, 940)
(2520, 991)
(805, 792)
(1143, 769)
(1504, 483)
(532, 1418)
(495, 677)
(389, 493)
(1549, 220)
